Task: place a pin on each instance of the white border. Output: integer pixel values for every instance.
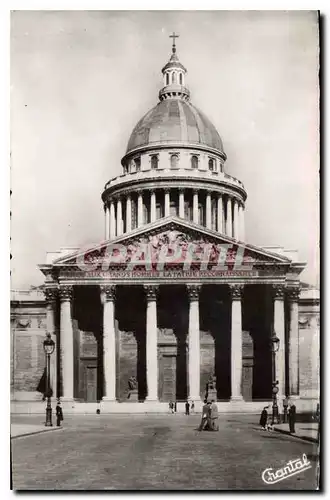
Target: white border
(5, 8)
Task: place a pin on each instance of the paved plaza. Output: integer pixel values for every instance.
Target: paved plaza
(151, 452)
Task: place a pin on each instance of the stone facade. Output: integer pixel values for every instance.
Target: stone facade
(28, 329)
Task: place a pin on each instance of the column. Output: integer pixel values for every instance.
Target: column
(241, 222)
(167, 203)
(279, 331)
(106, 222)
(194, 342)
(119, 218)
(220, 214)
(151, 343)
(140, 210)
(109, 342)
(152, 206)
(229, 224)
(236, 341)
(236, 221)
(181, 203)
(112, 220)
(50, 296)
(293, 296)
(128, 214)
(195, 206)
(66, 334)
(208, 211)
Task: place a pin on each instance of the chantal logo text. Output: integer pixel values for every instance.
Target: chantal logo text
(272, 476)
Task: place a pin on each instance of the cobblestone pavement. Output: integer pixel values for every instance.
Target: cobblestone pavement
(155, 452)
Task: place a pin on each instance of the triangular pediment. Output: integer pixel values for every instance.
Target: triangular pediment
(177, 241)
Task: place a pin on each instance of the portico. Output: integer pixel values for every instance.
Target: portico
(172, 328)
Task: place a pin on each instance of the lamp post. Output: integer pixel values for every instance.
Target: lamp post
(275, 345)
(49, 346)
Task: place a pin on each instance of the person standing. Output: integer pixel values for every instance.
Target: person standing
(59, 413)
(285, 409)
(192, 407)
(264, 418)
(292, 418)
(205, 416)
(175, 407)
(187, 407)
(214, 416)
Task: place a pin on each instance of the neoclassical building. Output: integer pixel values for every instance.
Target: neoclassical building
(175, 293)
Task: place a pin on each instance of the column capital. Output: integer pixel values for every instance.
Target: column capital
(109, 292)
(50, 295)
(278, 291)
(196, 190)
(66, 292)
(151, 292)
(167, 190)
(236, 291)
(181, 189)
(193, 291)
(293, 294)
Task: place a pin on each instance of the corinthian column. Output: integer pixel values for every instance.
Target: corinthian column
(112, 220)
(236, 220)
(194, 342)
(181, 203)
(195, 206)
(229, 224)
(128, 213)
(220, 215)
(236, 341)
(279, 330)
(151, 343)
(152, 206)
(106, 221)
(66, 333)
(167, 203)
(109, 342)
(208, 211)
(119, 218)
(140, 210)
(293, 295)
(50, 296)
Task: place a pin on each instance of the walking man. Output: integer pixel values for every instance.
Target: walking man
(187, 407)
(205, 415)
(285, 409)
(59, 413)
(214, 416)
(292, 418)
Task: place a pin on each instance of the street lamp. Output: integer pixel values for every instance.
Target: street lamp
(49, 346)
(275, 345)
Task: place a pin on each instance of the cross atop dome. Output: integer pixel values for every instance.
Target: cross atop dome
(174, 36)
(174, 76)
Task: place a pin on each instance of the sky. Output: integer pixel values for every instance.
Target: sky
(80, 81)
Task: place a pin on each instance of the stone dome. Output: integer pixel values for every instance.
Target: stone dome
(175, 121)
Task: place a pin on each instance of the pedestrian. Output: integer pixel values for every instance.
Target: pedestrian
(170, 405)
(192, 407)
(264, 418)
(205, 416)
(214, 416)
(187, 408)
(59, 413)
(285, 409)
(175, 407)
(292, 418)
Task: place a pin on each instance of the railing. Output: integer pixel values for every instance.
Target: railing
(180, 173)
